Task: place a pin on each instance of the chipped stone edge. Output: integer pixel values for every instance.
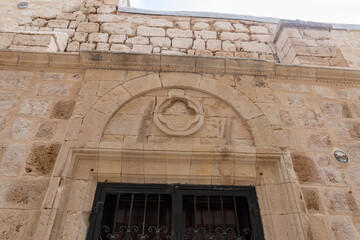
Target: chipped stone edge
(175, 63)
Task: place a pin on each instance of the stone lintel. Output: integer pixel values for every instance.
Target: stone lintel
(192, 64)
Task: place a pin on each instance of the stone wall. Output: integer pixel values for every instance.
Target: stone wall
(95, 25)
(35, 107)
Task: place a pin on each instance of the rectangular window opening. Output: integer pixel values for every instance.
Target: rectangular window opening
(177, 212)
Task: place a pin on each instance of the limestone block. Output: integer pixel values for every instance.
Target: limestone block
(312, 200)
(287, 118)
(119, 48)
(290, 87)
(98, 37)
(172, 52)
(205, 34)
(14, 79)
(52, 76)
(201, 26)
(178, 33)
(336, 110)
(180, 79)
(58, 23)
(6, 39)
(253, 47)
(184, 25)
(230, 36)
(305, 168)
(159, 22)
(102, 46)
(341, 228)
(199, 44)
(162, 42)
(75, 225)
(42, 159)
(20, 129)
(319, 141)
(355, 108)
(73, 47)
(341, 201)
(13, 159)
(116, 28)
(87, 46)
(346, 130)
(349, 94)
(295, 100)
(8, 100)
(182, 43)
(329, 172)
(307, 117)
(259, 30)
(13, 224)
(35, 107)
(80, 36)
(139, 85)
(60, 89)
(67, 16)
(36, 40)
(105, 18)
(105, 9)
(213, 45)
(261, 132)
(223, 26)
(117, 38)
(27, 193)
(352, 150)
(240, 28)
(138, 40)
(150, 31)
(88, 27)
(262, 38)
(228, 46)
(45, 130)
(137, 48)
(63, 109)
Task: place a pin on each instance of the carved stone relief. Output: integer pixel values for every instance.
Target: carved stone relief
(178, 116)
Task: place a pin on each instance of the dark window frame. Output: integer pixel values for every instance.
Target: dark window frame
(177, 191)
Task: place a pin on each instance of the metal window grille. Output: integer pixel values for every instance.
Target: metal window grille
(176, 212)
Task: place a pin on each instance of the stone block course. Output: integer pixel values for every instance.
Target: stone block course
(182, 43)
(57, 24)
(88, 27)
(150, 31)
(98, 37)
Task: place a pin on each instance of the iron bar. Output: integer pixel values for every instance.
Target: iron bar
(236, 218)
(211, 237)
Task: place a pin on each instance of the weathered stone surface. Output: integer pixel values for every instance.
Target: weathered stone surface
(336, 110)
(45, 130)
(137, 48)
(56, 89)
(51, 76)
(14, 79)
(309, 118)
(58, 24)
(178, 33)
(305, 168)
(105, 18)
(341, 228)
(13, 159)
(63, 109)
(27, 193)
(223, 26)
(312, 200)
(228, 46)
(118, 28)
(329, 172)
(117, 38)
(73, 47)
(6, 39)
(39, 23)
(102, 46)
(88, 27)
(13, 225)
(319, 141)
(201, 26)
(162, 42)
(199, 44)
(229, 36)
(341, 201)
(182, 43)
(346, 130)
(159, 22)
(87, 46)
(35, 40)
(106, 9)
(20, 129)
(253, 47)
(8, 100)
(150, 31)
(258, 30)
(80, 36)
(205, 34)
(119, 48)
(138, 40)
(42, 159)
(35, 107)
(355, 109)
(240, 27)
(213, 45)
(98, 37)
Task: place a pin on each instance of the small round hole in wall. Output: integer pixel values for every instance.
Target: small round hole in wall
(341, 156)
(23, 5)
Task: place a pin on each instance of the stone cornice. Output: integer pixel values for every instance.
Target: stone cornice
(169, 63)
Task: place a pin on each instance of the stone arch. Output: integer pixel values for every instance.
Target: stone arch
(100, 114)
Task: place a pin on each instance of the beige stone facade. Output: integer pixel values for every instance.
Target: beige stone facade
(89, 94)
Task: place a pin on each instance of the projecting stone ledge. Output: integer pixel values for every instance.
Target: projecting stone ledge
(34, 41)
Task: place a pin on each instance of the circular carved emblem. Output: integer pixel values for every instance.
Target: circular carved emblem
(341, 156)
(178, 116)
